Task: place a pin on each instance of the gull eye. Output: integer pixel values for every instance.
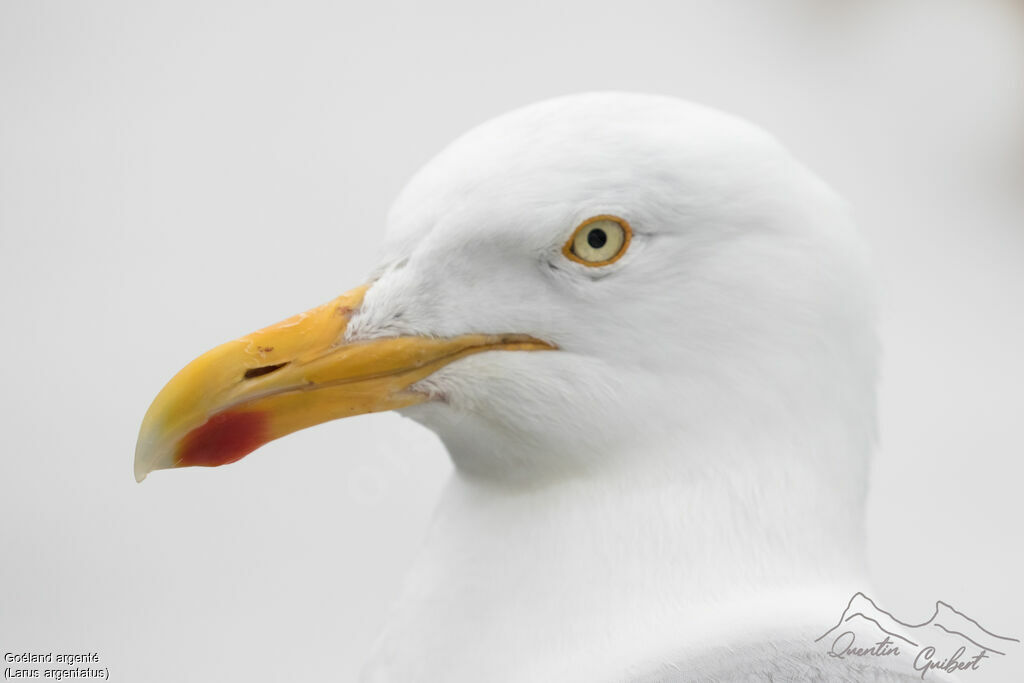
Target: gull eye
(598, 241)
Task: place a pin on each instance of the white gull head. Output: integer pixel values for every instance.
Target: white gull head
(697, 447)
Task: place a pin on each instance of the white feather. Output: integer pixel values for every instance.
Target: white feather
(698, 445)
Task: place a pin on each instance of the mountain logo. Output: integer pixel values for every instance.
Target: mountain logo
(950, 641)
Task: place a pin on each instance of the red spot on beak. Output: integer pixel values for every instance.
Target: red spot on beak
(223, 439)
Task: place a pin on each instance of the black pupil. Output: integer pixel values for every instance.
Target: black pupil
(596, 238)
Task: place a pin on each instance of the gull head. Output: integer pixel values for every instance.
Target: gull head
(563, 288)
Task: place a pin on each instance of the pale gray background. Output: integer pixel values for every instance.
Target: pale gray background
(174, 175)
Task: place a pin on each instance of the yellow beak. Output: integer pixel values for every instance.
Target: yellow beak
(289, 376)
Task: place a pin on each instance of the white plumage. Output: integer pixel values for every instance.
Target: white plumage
(687, 473)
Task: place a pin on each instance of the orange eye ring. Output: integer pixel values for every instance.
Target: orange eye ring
(599, 241)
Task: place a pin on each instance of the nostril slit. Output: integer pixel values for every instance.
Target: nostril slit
(265, 370)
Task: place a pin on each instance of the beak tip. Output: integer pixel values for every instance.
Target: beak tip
(141, 468)
(148, 457)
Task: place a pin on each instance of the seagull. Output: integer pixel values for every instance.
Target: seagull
(645, 334)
